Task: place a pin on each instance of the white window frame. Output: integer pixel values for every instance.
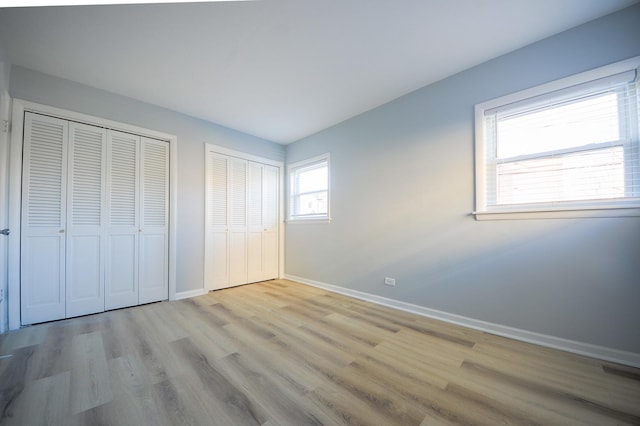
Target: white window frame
(292, 169)
(484, 210)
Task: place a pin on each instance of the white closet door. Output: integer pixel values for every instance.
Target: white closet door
(216, 269)
(238, 222)
(43, 219)
(270, 237)
(255, 240)
(123, 214)
(154, 231)
(242, 221)
(262, 252)
(85, 230)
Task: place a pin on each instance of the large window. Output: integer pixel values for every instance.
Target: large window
(309, 189)
(567, 146)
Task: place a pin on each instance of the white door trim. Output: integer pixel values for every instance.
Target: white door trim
(15, 190)
(250, 157)
(5, 110)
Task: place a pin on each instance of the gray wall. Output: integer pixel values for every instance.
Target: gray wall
(192, 135)
(403, 189)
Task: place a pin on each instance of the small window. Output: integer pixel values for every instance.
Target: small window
(570, 145)
(309, 189)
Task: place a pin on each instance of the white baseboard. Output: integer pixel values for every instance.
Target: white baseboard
(580, 348)
(190, 293)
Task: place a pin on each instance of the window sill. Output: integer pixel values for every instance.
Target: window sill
(560, 213)
(309, 220)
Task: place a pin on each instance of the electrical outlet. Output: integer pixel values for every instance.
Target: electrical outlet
(390, 281)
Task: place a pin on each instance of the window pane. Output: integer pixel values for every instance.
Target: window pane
(567, 125)
(589, 175)
(314, 179)
(312, 204)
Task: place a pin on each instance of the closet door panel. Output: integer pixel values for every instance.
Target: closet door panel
(85, 231)
(237, 258)
(123, 212)
(85, 292)
(270, 244)
(123, 271)
(154, 283)
(154, 247)
(43, 219)
(216, 263)
(270, 238)
(238, 222)
(255, 263)
(43, 274)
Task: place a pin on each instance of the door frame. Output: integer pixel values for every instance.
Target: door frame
(5, 111)
(21, 106)
(208, 147)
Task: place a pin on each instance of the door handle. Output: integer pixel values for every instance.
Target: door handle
(5, 231)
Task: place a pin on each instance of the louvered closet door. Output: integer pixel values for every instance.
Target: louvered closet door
(123, 212)
(238, 221)
(43, 219)
(262, 250)
(154, 231)
(85, 223)
(216, 270)
(270, 238)
(255, 240)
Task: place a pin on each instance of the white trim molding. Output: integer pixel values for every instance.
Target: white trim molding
(580, 348)
(190, 293)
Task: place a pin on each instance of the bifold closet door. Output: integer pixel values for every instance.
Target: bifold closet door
(44, 181)
(238, 222)
(85, 224)
(95, 226)
(216, 265)
(138, 249)
(154, 230)
(242, 229)
(271, 236)
(123, 182)
(262, 247)
(226, 222)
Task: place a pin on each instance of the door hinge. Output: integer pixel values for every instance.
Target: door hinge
(5, 126)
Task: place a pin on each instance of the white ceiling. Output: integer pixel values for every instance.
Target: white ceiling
(279, 69)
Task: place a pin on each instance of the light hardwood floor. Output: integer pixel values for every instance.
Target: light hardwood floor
(281, 353)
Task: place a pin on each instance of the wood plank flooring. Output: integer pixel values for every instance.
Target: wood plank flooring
(281, 353)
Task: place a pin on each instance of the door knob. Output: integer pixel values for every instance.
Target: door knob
(5, 231)
(61, 231)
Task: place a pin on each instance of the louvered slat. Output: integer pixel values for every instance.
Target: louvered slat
(238, 193)
(218, 206)
(155, 183)
(123, 180)
(46, 151)
(86, 177)
(270, 218)
(255, 195)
